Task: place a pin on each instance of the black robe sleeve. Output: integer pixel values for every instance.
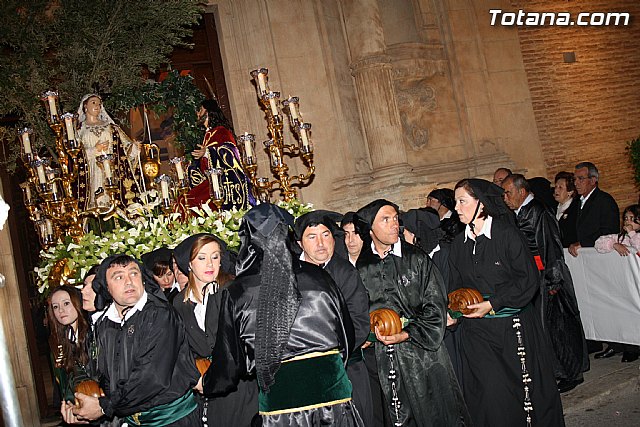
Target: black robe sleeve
(156, 354)
(355, 296)
(229, 362)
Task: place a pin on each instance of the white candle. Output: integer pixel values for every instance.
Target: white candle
(216, 184)
(293, 110)
(305, 138)
(274, 106)
(27, 192)
(49, 226)
(164, 187)
(262, 82)
(247, 146)
(179, 170)
(107, 168)
(42, 179)
(52, 105)
(274, 159)
(26, 143)
(54, 186)
(68, 122)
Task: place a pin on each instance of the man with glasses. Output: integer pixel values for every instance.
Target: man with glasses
(599, 214)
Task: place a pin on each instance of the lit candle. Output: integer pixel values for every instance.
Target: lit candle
(54, 187)
(52, 105)
(68, 122)
(292, 109)
(164, 188)
(107, 168)
(26, 142)
(274, 106)
(179, 170)
(42, 179)
(274, 158)
(247, 145)
(216, 183)
(49, 226)
(27, 193)
(262, 82)
(304, 128)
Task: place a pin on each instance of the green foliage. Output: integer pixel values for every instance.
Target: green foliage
(80, 47)
(633, 148)
(175, 93)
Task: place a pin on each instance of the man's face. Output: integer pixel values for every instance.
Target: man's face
(385, 228)
(181, 278)
(513, 196)
(352, 240)
(433, 203)
(499, 176)
(318, 244)
(125, 284)
(584, 184)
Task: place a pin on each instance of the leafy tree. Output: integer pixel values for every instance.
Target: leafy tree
(80, 47)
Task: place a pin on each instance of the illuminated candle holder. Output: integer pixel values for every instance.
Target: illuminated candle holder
(39, 164)
(26, 139)
(106, 163)
(70, 133)
(272, 99)
(293, 106)
(214, 175)
(304, 131)
(248, 148)
(50, 99)
(165, 197)
(262, 85)
(179, 167)
(45, 231)
(53, 181)
(263, 184)
(27, 194)
(274, 153)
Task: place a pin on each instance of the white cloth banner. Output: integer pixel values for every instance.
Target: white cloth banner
(608, 292)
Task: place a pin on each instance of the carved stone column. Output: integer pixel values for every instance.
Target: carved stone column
(372, 71)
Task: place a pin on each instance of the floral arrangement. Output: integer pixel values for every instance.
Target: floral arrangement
(68, 262)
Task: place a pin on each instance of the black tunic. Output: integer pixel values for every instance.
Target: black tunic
(426, 385)
(145, 361)
(568, 223)
(503, 267)
(321, 324)
(556, 303)
(355, 296)
(238, 408)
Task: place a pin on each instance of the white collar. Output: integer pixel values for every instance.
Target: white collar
(447, 215)
(112, 312)
(486, 230)
(396, 249)
(527, 200)
(583, 199)
(563, 207)
(323, 265)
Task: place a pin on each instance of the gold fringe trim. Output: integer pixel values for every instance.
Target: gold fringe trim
(305, 408)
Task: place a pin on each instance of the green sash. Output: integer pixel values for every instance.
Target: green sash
(168, 413)
(304, 383)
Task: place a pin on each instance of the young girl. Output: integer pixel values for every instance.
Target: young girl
(69, 331)
(628, 237)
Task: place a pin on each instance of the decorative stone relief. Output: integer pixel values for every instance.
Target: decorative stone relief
(415, 98)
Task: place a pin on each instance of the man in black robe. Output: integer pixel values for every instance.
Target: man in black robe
(143, 359)
(315, 233)
(286, 321)
(556, 302)
(413, 365)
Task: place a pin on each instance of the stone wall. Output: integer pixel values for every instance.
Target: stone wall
(588, 109)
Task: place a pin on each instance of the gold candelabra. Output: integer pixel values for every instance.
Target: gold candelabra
(275, 146)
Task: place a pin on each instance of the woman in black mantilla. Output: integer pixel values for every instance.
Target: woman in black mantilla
(204, 258)
(507, 369)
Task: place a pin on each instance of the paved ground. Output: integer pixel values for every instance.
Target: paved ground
(610, 396)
